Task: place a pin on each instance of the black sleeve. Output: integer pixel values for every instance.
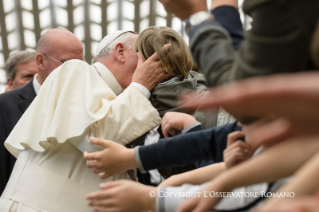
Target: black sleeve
(187, 148)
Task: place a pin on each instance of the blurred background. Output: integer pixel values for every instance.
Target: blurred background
(22, 22)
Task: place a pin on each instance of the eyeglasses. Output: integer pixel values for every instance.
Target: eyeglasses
(55, 60)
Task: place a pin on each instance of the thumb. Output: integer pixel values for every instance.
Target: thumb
(140, 59)
(99, 142)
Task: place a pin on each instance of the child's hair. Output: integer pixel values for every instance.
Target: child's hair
(176, 60)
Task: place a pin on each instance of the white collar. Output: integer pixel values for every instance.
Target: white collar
(108, 77)
(36, 84)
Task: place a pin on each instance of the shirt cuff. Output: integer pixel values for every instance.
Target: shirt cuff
(144, 90)
(170, 198)
(138, 160)
(189, 127)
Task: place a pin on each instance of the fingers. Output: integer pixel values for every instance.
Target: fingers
(104, 209)
(167, 130)
(188, 205)
(233, 136)
(104, 175)
(140, 59)
(272, 132)
(99, 142)
(236, 153)
(96, 197)
(95, 156)
(167, 46)
(191, 101)
(155, 57)
(108, 185)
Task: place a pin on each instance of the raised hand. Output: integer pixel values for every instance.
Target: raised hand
(184, 8)
(150, 72)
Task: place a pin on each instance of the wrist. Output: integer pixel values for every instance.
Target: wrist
(219, 3)
(149, 203)
(189, 122)
(196, 19)
(194, 10)
(130, 159)
(222, 183)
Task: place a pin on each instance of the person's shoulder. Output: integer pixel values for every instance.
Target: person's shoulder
(75, 62)
(73, 66)
(10, 95)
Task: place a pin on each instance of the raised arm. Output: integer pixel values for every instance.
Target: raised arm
(116, 158)
(273, 164)
(303, 184)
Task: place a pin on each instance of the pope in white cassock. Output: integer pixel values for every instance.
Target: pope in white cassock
(78, 101)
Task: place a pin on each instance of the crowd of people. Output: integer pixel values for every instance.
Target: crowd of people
(139, 130)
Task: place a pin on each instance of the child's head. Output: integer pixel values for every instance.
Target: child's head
(177, 59)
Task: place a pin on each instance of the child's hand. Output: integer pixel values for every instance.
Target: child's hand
(113, 159)
(122, 196)
(175, 120)
(237, 151)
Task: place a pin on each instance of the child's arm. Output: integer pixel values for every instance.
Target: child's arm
(236, 152)
(195, 177)
(277, 162)
(304, 183)
(115, 158)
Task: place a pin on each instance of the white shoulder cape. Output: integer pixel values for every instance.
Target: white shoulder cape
(72, 98)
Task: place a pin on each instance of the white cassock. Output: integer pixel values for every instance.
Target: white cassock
(76, 101)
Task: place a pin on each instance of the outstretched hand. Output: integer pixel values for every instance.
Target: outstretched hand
(114, 159)
(292, 98)
(122, 196)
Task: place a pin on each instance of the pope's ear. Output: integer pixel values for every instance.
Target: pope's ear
(119, 52)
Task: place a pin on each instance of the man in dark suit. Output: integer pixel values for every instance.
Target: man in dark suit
(54, 47)
(20, 69)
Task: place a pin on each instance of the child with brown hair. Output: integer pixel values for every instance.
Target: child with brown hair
(178, 63)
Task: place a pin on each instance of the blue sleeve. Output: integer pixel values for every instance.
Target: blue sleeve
(187, 148)
(229, 18)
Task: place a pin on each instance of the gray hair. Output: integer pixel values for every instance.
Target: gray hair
(125, 39)
(15, 59)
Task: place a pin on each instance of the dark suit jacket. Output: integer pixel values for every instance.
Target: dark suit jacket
(12, 106)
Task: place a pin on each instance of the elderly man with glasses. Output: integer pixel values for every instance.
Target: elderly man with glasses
(108, 99)
(56, 43)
